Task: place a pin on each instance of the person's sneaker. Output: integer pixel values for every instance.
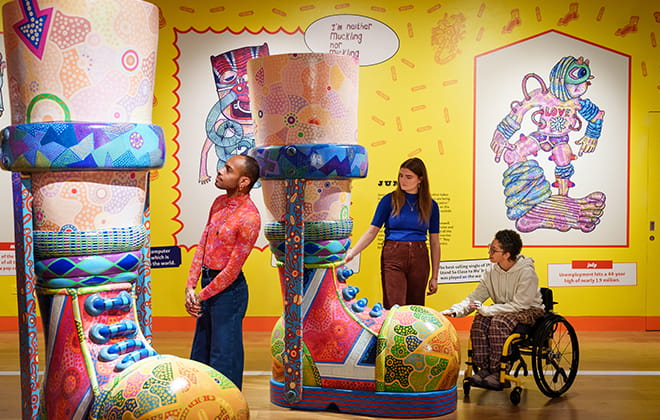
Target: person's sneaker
(478, 378)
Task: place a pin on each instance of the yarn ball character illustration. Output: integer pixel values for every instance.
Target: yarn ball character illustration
(557, 111)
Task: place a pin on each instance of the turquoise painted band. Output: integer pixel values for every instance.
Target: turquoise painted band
(311, 161)
(66, 145)
(89, 242)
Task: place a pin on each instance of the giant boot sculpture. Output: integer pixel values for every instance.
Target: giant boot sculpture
(80, 147)
(330, 348)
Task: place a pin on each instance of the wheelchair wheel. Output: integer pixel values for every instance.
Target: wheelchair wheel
(514, 397)
(466, 387)
(555, 356)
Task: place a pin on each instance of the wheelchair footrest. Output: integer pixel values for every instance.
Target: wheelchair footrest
(502, 386)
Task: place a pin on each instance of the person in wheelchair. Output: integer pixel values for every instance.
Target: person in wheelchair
(513, 286)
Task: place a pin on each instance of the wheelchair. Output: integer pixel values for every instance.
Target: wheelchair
(553, 347)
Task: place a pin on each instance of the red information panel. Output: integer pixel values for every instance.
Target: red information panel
(7, 259)
(593, 264)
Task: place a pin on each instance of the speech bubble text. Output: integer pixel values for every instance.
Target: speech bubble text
(367, 39)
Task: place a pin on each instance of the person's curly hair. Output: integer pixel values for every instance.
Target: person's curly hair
(510, 242)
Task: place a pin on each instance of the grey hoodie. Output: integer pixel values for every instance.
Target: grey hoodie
(511, 291)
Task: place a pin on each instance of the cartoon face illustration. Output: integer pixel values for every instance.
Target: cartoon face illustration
(228, 126)
(230, 74)
(570, 78)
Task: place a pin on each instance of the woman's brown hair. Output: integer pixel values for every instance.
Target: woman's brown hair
(424, 201)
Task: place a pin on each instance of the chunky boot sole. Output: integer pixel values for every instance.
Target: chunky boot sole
(380, 404)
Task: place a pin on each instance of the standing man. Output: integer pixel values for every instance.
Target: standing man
(230, 233)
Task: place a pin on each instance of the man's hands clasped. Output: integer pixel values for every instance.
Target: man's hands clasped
(193, 306)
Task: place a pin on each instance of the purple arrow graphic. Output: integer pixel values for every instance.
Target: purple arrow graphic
(33, 30)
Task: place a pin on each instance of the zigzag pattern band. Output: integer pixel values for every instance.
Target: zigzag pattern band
(88, 265)
(312, 161)
(316, 252)
(86, 281)
(81, 145)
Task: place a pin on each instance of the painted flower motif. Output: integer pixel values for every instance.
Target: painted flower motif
(70, 382)
(39, 216)
(558, 124)
(338, 330)
(290, 120)
(136, 140)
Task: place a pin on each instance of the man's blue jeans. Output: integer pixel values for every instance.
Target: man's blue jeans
(218, 338)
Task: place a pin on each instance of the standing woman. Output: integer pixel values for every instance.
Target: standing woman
(408, 213)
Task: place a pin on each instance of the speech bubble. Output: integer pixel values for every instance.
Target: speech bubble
(368, 39)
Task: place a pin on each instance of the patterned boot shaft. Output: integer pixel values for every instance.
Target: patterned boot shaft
(81, 60)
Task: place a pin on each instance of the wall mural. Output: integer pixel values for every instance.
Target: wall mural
(214, 120)
(556, 111)
(229, 128)
(551, 142)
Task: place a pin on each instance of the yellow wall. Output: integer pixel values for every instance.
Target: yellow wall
(448, 91)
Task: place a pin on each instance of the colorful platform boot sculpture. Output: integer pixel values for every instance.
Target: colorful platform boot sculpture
(80, 146)
(330, 349)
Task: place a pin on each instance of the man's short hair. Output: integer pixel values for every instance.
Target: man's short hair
(250, 169)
